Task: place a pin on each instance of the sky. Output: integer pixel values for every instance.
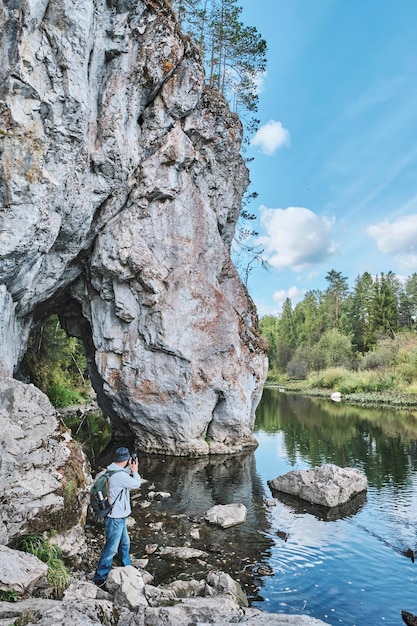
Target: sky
(335, 156)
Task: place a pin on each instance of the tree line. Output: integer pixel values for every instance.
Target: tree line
(339, 326)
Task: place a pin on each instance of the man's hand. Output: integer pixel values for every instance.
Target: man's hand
(134, 465)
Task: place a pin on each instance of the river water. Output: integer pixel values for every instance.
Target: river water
(348, 567)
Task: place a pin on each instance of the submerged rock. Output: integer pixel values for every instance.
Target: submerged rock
(328, 485)
(226, 515)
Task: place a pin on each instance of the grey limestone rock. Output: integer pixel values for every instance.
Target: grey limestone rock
(226, 515)
(327, 485)
(120, 191)
(37, 459)
(20, 572)
(218, 600)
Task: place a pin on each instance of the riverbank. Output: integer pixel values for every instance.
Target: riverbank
(395, 399)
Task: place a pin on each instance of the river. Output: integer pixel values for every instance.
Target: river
(350, 568)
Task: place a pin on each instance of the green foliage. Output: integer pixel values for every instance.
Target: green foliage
(27, 617)
(275, 377)
(384, 313)
(335, 294)
(371, 329)
(234, 54)
(8, 596)
(61, 396)
(359, 311)
(383, 355)
(406, 362)
(297, 368)
(56, 364)
(335, 348)
(93, 430)
(347, 382)
(58, 575)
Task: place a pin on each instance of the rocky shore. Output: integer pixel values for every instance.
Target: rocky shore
(130, 598)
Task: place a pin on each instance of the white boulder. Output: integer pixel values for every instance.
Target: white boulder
(328, 485)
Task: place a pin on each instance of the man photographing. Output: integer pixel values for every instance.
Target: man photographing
(124, 477)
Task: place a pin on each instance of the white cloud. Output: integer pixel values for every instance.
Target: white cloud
(293, 293)
(270, 137)
(399, 239)
(406, 263)
(296, 237)
(395, 237)
(265, 309)
(260, 78)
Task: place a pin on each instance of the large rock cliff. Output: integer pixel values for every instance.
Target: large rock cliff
(121, 182)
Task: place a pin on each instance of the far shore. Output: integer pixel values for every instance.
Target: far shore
(394, 399)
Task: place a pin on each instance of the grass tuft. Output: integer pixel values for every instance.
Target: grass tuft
(58, 575)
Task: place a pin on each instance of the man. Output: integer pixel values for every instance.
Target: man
(125, 477)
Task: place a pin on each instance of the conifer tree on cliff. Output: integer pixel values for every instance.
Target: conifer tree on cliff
(234, 54)
(235, 58)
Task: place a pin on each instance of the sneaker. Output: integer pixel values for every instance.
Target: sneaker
(100, 583)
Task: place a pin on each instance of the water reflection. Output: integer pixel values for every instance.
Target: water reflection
(381, 442)
(348, 509)
(195, 485)
(351, 570)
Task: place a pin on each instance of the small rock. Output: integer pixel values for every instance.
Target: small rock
(142, 563)
(158, 495)
(213, 547)
(150, 548)
(182, 553)
(226, 515)
(282, 534)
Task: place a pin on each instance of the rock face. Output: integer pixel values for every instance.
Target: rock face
(327, 485)
(42, 471)
(121, 183)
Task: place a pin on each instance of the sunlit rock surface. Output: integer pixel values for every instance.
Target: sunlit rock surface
(121, 183)
(327, 485)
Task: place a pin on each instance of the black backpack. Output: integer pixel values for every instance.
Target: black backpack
(98, 494)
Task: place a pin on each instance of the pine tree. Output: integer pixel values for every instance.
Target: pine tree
(308, 320)
(408, 302)
(384, 319)
(234, 54)
(336, 293)
(359, 311)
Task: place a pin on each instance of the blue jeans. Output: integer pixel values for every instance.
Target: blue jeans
(117, 541)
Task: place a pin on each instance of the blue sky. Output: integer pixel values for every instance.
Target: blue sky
(336, 154)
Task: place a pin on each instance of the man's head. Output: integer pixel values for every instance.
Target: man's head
(121, 455)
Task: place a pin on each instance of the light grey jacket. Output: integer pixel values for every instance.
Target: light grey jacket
(120, 483)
